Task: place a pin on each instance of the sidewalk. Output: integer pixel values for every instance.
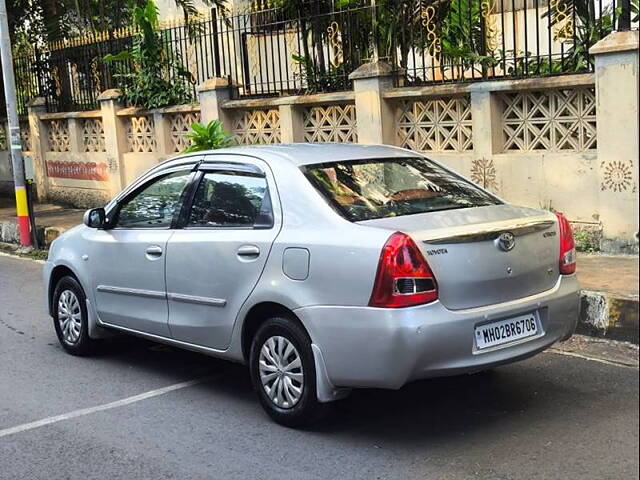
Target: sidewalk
(609, 296)
(609, 283)
(51, 220)
(609, 274)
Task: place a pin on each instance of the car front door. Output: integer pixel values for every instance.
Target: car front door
(216, 259)
(128, 258)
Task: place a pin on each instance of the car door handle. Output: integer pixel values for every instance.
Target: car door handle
(248, 251)
(154, 251)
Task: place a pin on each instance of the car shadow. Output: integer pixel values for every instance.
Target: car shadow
(437, 408)
(426, 411)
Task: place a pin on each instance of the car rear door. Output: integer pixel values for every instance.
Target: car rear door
(215, 260)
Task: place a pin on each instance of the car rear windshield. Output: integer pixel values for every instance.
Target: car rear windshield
(369, 189)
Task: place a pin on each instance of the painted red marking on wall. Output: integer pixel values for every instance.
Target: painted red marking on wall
(78, 170)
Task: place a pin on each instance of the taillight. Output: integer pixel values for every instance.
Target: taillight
(567, 246)
(404, 278)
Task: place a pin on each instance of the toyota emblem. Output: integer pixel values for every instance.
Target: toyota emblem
(506, 241)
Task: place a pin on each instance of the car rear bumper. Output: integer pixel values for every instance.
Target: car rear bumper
(386, 348)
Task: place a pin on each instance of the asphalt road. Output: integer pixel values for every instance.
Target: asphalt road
(548, 417)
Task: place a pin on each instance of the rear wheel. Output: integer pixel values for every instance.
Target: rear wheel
(283, 373)
(70, 317)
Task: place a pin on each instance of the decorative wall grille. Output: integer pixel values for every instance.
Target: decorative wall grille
(58, 135)
(436, 125)
(257, 126)
(334, 123)
(141, 136)
(93, 135)
(25, 136)
(180, 127)
(555, 120)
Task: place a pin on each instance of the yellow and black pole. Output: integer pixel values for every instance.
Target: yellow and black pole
(22, 205)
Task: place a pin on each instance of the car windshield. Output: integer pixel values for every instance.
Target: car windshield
(369, 189)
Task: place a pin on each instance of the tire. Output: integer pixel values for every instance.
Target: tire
(288, 408)
(69, 297)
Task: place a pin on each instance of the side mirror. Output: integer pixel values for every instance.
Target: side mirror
(94, 218)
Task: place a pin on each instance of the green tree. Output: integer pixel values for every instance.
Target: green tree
(150, 76)
(50, 20)
(590, 26)
(44, 21)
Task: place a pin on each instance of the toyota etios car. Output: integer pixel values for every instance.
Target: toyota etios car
(324, 267)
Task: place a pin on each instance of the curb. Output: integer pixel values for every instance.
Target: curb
(9, 233)
(607, 315)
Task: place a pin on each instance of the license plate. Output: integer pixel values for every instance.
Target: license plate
(505, 331)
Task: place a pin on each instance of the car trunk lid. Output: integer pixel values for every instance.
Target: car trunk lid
(473, 267)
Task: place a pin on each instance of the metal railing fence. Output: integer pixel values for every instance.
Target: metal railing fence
(311, 46)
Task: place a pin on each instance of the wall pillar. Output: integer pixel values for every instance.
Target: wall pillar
(291, 124)
(374, 115)
(115, 138)
(486, 115)
(38, 147)
(76, 142)
(212, 94)
(616, 72)
(163, 134)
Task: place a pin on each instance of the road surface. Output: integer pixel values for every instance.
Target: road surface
(112, 417)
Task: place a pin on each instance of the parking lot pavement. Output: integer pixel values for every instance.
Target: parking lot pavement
(127, 413)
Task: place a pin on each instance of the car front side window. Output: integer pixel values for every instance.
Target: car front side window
(156, 205)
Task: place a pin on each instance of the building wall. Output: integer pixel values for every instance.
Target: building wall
(6, 178)
(169, 11)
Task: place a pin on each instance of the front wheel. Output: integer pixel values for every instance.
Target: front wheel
(283, 373)
(70, 317)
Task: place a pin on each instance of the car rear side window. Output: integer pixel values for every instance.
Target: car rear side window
(230, 200)
(369, 189)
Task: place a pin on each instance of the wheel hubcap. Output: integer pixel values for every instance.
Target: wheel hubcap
(69, 316)
(281, 372)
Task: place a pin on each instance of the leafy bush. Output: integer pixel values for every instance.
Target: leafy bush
(317, 80)
(208, 137)
(587, 241)
(148, 75)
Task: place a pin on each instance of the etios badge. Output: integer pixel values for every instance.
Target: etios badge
(506, 241)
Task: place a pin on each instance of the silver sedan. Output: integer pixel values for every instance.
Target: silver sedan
(323, 267)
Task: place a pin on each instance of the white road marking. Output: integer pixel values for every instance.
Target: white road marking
(591, 359)
(100, 408)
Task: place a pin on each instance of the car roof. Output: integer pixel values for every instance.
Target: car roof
(305, 153)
